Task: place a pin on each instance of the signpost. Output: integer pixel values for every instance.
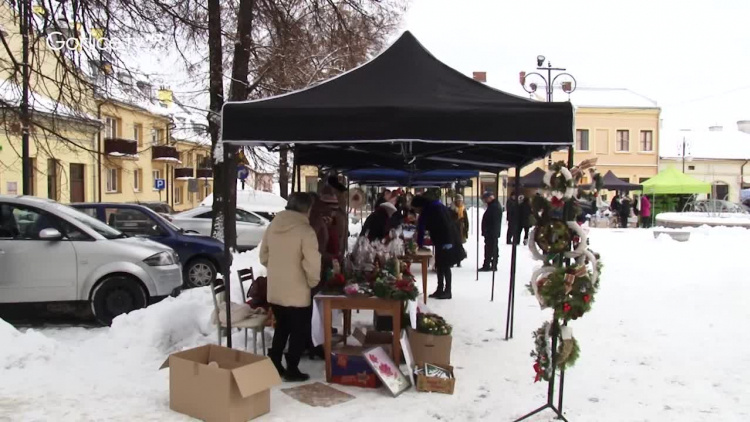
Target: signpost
(242, 173)
(160, 185)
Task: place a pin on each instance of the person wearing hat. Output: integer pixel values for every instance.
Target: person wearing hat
(491, 223)
(378, 224)
(460, 217)
(436, 218)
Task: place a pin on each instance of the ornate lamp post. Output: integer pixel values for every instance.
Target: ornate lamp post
(567, 84)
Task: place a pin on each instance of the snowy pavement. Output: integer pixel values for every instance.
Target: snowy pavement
(663, 342)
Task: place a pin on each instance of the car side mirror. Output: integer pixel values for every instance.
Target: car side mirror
(50, 234)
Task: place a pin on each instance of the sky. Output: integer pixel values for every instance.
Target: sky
(691, 57)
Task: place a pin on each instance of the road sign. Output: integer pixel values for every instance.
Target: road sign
(160, 184)
(242, 172)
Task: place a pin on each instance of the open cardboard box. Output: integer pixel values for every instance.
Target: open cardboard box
(430, 348)
(238, 389)
(436, 384)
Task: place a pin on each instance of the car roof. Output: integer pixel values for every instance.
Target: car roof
(110, 205)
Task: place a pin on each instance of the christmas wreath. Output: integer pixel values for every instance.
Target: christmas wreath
(569, 291)
(553, 237)
(565, 356)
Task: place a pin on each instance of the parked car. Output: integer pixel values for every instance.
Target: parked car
(50, 252)
(160, 207)
(199, 255)
(250, 226)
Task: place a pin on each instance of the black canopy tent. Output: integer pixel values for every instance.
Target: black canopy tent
(535, 179)
(403, 109)
(611, 182)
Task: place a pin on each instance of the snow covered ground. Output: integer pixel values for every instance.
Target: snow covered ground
(664, 342)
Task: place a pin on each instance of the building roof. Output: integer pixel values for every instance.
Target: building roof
(11, 93)
(591, 97)
(726, 144)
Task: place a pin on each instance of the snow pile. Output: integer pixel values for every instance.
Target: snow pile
(241, 261)
(19, 348)
(170, 325)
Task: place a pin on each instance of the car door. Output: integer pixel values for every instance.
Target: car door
(250, 229)
(200, 222)
(35, 270)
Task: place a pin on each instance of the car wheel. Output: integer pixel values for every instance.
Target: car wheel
(199, 273)
(116, 295)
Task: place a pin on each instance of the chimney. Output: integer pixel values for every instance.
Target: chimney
(743, 126)
(715, 128)
(480, 76)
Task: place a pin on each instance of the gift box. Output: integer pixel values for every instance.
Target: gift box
(349, 367)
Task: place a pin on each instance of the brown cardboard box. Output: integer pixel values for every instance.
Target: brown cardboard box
(430, 348)
(435, 384)
(237, 390)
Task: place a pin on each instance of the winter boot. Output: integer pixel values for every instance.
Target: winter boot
(437, 293)
(293, 373)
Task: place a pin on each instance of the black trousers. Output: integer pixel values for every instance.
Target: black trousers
(513, 234)
(292, 325)
(490, 252)
(525, 233)
(623, 221)
(443, 266)
(646, 222)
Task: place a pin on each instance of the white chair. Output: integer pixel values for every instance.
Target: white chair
(257, 323)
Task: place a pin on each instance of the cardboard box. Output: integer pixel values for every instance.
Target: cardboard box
(436, 384)
(349, 367)
(238, 389)
(430, 348)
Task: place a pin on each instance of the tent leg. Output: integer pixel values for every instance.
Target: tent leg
(476, 227)
(513, 259)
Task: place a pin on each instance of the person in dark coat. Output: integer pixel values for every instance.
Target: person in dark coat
(514, 227)
(377, 225)
(491, 224)
(436, 218)
(624, 211)
(524, 217)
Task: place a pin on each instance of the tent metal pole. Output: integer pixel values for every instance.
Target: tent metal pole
(513, 257)
(299, 178)
(294, 176)
(477, 226)
(495, 258)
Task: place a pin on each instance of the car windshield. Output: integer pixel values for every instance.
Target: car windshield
(90, 222)
(169, 223)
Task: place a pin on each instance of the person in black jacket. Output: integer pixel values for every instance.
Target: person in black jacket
(378, 224)
(436, 218)
(514, 226)
(491, 222)
(624, 211)
(524, 219)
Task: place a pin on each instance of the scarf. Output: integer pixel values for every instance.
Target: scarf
(460, 211)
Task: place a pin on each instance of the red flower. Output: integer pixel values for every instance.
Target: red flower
(538, 370)
(373, 358)
(566, 307)
(557, 202)
(586, 298)
(385, 369)
(338, 279)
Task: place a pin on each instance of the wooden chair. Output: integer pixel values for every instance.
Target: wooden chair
(257, 323)
(246, 275)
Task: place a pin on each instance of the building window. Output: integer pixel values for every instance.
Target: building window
(206, 190)
(642, 179)
(113, 179)
(647, 140)
(311, 183)
(178, 195)
(691, 167)
(187, 159)
(53, 188)
(138, 134)
(623, 140)
(582, 139)
(157, 137)
(110, 127)
(137, 180)
(32, 189)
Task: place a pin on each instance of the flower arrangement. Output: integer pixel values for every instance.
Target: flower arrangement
(433, 324)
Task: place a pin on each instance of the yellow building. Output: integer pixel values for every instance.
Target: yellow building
(102, 141)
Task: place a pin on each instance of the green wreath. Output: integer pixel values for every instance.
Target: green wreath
(569, 291)
(553, 237)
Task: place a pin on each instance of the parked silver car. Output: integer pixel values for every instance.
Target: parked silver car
(50, 252)
(250, 226)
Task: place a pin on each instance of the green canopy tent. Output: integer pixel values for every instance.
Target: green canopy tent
(673, 181)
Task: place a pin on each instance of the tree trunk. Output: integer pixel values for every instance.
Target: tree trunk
(216, 97)
(284, 172)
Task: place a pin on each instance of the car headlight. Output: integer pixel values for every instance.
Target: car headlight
(161, 259)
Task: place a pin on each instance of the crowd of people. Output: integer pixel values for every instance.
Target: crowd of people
(623, 208)
(303, 242)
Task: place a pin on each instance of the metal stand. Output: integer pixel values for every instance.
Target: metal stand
(551, 383)
(513, 258)
(494, 266)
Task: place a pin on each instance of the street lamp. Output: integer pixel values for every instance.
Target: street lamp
(568, 85)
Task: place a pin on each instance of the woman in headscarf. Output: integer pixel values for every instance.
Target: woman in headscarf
(461, 218)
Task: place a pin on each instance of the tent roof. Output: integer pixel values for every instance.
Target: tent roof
(611, 182)
(673, 181)
(404, 105)
(533, 179)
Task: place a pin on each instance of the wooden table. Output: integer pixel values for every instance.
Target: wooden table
(424, 258)
(394, 308)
